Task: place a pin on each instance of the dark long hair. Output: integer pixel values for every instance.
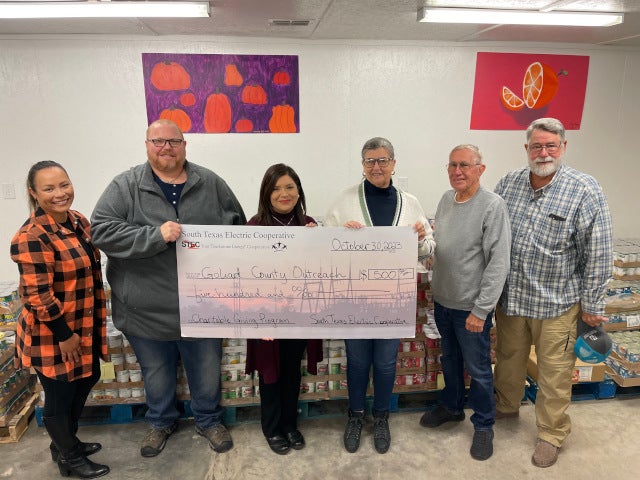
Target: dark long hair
(271, 177)
(31, 177)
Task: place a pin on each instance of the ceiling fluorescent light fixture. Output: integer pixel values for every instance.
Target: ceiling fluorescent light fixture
(518, 17)
(93, 9)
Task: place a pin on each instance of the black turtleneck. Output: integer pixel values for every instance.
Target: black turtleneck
(381, 202)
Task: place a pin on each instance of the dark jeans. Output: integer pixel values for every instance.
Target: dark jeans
(461, 347)
(201, 360)
(279, 400)
(361, 355)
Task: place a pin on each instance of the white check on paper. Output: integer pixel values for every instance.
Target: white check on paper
(297, 282)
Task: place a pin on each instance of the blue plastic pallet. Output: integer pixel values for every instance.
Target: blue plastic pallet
(117, 413)
(237, 414)
(314, 409)
(580, 391)
(627, 391)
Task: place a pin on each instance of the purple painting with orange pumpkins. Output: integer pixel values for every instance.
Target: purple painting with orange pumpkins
(215, 93)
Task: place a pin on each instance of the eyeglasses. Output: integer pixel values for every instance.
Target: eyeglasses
(161, 142)
(463, 166)
(550, 147)
(382, 162)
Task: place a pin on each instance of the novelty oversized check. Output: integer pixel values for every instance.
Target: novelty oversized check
(297, 282)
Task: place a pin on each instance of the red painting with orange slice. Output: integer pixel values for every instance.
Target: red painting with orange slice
(513, 89)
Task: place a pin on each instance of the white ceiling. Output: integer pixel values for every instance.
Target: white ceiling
(354, 19)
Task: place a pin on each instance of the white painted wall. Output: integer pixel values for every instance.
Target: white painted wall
(80, 101)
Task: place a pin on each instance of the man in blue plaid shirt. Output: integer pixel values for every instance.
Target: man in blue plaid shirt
(561, 260)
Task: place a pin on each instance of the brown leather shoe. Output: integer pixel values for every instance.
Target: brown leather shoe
(545, 454)
(500, 415)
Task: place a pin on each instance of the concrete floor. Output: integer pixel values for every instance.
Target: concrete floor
(605, 444)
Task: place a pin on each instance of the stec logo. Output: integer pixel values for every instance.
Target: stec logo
(191, 245)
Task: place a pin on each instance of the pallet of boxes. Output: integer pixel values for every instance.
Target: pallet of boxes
(418, 366)
(623, 312)
(121, 380)
(238, 387)
(331, 379)
(17, 397)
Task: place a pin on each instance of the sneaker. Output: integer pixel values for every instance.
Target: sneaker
(438, 416)
(545, 454)
(482, 445)
(155, 440)
(381, 433)
(353, 431)
(218, 436)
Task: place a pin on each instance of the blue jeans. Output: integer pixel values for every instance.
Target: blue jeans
(361, 354)
(201, 359)
(461, 347)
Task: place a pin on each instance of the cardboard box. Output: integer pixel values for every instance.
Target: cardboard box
(583, 372)
(625, 304)
(626, 277)
(619, 327)
(624, 362)
(418, 387)
(622, 381)
(240, 401)
(414, 354)
(620, 263)
(615, 363)
(235, 349)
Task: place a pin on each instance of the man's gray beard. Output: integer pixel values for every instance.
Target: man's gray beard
(546, 169)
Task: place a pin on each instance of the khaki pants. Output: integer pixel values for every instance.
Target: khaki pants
(554, 339)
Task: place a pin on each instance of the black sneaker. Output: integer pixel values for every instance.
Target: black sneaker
(482, 446)
(353, 431)
(438, 416)
(381, 433)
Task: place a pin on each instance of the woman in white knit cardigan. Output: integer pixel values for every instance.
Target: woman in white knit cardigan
(376, 202)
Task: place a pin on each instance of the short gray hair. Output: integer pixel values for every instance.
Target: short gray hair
(551, 125)
(470, 147)
(378, 142)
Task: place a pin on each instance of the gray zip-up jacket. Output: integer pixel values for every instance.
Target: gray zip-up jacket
(141, 267)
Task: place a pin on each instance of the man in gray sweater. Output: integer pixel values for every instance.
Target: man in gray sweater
(136, 222)
(471, 264)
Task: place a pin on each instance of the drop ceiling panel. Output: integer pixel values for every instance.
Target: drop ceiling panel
(393, 20)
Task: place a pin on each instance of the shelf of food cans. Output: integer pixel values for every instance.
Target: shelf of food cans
(622, 305)
(15, 382)
(9, 305)
(623, 293)
(623, 364)
(623, 314)
(16, 396)
(626, 259)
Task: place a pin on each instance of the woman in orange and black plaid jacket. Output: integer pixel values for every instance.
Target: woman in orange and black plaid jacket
(61, 331)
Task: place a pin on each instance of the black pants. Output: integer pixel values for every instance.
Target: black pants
(68, 398)
(279, 401)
